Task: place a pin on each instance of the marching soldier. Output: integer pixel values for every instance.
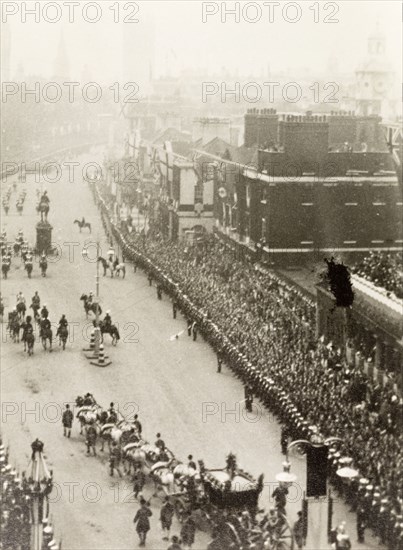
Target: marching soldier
(139, 480)
(362, 519)
(174, 309)
(166, 514)
(114, 460)
(219, 360)
(194, 331)
(248, 397)
(67, 420)
(91, 438)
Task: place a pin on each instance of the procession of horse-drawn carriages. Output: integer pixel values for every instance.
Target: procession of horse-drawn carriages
(222, 502)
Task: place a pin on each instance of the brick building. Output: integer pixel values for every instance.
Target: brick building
(306, 197)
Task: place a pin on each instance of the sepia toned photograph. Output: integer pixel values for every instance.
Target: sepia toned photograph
(201, 304)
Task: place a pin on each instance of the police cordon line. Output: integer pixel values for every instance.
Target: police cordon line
(334, 399)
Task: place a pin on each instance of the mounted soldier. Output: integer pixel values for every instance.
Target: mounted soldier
(44, 312)
(36, 304)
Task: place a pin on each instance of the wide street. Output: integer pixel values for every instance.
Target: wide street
(172, 384)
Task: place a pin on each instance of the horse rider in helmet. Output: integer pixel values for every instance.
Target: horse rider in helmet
(63, 323)
(20, 298)
(27, 327)
(107, 320)
(44, 312)
(36, 303)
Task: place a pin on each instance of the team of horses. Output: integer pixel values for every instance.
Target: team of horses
(17, 324)
(168, 473)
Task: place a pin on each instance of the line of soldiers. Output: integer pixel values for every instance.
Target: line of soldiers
(261, 384)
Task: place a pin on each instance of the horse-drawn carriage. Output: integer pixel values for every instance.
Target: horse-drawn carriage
(224, 502)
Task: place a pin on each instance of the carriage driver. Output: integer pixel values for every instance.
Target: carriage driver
(160, 443)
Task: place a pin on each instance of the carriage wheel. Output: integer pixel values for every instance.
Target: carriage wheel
(230, 536)
(283, 538)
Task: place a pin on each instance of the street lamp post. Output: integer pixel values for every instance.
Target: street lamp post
(317, 490)
(38, 488)
(97, 329)
(97, 334)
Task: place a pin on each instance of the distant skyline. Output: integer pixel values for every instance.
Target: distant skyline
(183, 41)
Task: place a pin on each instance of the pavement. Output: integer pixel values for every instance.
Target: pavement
(172, 384)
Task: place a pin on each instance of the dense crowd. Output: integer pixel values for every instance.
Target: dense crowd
(384, 270)
(265, 331)
(16, 518)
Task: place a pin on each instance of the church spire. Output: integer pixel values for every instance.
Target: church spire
(61, 68)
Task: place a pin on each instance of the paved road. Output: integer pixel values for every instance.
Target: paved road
(172, 384)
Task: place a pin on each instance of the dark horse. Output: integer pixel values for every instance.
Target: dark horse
(29, 266)
(29, 340)
(45, 334)
(63, 332)
(112, 330)
(89, 307)
(105, 264)
(83, 224)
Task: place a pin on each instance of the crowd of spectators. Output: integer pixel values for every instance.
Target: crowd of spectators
(384, 270)
(15, 513)
(264, 329)
(16, 517)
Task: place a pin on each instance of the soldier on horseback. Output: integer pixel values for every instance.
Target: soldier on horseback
(44, 312)
(36, 303)
(46, 332)
(20, 298)
(107, 322)
(63, 323)
(27, 329)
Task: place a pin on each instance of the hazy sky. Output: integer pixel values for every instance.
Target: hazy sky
(183, 40)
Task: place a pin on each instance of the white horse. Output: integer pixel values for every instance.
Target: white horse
(110, 433)
(133, 455)
(86, 415)
(164, 479)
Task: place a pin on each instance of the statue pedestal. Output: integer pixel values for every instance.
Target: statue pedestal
(43, 237)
